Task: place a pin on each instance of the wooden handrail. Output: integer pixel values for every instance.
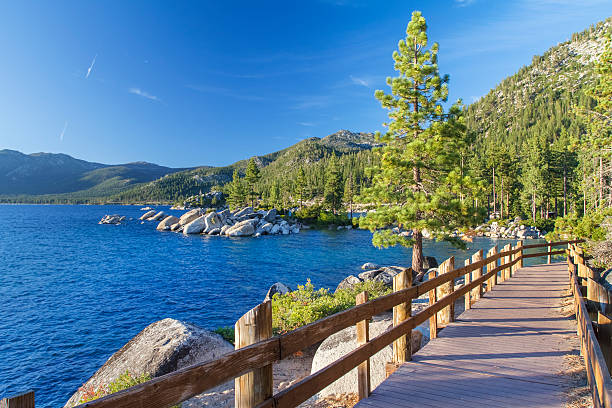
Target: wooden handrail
(180, 385)
(598, 373)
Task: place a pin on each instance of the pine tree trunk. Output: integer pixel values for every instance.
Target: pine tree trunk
(417, 252)
(564, 191)
(533, 206)
(494, 197)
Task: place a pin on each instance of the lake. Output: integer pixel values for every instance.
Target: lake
(73, 292)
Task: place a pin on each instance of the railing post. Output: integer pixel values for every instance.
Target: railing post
(363, 336)
(433, 320)
(256, 386)
(446, 315)
(492, 281)
(505, 274)
(520, 262)
(402, 347)
(467, 280)
(25, 400)
(549, 258)
(477, 291)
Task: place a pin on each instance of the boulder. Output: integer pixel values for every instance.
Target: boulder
(285, 229)
(195, 227)
(369, 275)
(340, 344)
(429, 262)
(190, 216)
(146, 209)
(275, 229)
(246, 210)
(270, 215)
(295, 229)
(112, 219)
(225, 214)
(168, 223)
(159, 216)
(212, 221)
(369, 265)
(242, 229)
(278, 287)
(147, 215)
(176, 227)
(267, 227)
(348, 282)
(162, 347)
(224, 229)
(215, 231)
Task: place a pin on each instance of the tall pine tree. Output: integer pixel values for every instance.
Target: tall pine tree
(251, 177)
(419, 182)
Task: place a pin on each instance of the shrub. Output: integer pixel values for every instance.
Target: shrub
(227, 332)
(124, 381)
(306, 305)
(588, 227)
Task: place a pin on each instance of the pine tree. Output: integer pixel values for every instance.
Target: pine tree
(301, 185)
(237, 193)
(251, 177)
(419, 182)
(349, 193)
(332, 195)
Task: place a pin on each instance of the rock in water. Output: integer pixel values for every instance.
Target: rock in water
(162, 347)
(195, 227)
(212, 221)
(111, 219)
(369, 265)
(167, 223)
(242, 229)
(340, 344)
(158, 216)
(147, 215)
(244, 211)
(270, 216)
(190, 216)
(278, 287)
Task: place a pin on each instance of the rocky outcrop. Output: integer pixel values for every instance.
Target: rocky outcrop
(195, 227)
(340, 344)
(162, 347)
(147, 215)
(212, 221)
(241, 229)
(167, 223)
(112, 219)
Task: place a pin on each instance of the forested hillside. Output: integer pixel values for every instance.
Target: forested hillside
(531, 144)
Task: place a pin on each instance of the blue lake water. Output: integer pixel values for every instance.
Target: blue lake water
(72, 292)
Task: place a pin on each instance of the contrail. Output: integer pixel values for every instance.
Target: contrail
(63, 131)
(91, 66)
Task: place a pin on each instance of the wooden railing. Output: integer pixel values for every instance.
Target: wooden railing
(254, 360)
(595, 336)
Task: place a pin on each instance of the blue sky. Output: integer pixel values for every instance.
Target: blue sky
(211, 82)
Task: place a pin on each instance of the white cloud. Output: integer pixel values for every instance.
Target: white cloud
(464, 3)
(63, 131)
(308, 124)
(91, 66)
(144, 94)
(359, 81)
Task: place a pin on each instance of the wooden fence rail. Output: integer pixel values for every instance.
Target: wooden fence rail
(595, 338)
(178, 386)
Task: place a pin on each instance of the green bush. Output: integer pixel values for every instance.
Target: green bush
(227, 332)
(306, 305)
(317, 216)
(588, 226)
(124, 381)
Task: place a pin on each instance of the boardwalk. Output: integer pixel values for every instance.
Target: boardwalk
(507, 351)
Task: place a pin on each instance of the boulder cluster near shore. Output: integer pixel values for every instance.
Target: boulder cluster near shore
(244, 222)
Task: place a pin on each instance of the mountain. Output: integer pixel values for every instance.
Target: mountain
(284, 163)
(46, 177)
(539, 99)
(48, 173)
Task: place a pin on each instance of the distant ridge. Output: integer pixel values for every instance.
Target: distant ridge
(60, 177)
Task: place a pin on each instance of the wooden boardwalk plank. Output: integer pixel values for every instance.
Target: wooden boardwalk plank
(506, 351)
